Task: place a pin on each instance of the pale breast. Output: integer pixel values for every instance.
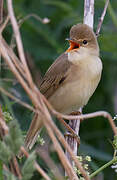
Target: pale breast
(77, 91)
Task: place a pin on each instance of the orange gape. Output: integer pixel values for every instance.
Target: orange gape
(73, 45)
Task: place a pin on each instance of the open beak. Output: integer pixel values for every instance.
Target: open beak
(73, 45)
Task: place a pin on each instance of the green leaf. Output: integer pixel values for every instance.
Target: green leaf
(5, 152)
(14, 139)
(28, 168)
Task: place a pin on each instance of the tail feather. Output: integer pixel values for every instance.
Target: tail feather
(33, 131)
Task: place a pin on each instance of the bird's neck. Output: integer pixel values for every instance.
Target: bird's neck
(82, 54)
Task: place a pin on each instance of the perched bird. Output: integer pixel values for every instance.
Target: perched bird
(72, 78)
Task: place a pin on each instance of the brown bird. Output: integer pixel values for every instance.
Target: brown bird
(72, 78)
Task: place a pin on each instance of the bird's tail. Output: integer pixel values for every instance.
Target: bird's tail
(33, 131)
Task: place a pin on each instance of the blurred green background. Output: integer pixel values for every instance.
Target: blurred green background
(43, 43)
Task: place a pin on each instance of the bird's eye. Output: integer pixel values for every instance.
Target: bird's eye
(85, 42)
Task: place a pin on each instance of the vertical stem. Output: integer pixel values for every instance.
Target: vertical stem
(1, 11)
(89, 12)
(75, 125)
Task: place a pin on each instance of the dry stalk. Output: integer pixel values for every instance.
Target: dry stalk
(14, 167)
(17, 100)
(44, 20)
(89, 12)
(2, 27)
(102, 18)
(3, 125)
(18, 40)
(1, 11)
(83, 116)
(95, 114)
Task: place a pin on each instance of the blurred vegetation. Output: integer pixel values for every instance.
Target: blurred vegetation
(43, 43)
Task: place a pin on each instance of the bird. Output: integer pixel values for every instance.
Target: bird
(73, 77)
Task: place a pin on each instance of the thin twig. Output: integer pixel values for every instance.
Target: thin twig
(18, 40)
(6, 80)
(16, 99)
(44, 20)
(102, 18)
(15, 59)
(8, 60)
(3, 125)
(2, 27)
(1, 11)
(16, 166)
(95, 114)
(85, 116)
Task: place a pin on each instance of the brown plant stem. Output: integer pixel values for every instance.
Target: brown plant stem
(102, 18)
(18, 39)
(14, 168)
(1, 11)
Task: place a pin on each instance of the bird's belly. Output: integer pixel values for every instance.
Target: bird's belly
(72, 96)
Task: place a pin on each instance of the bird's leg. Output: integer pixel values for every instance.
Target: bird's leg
(71, 133)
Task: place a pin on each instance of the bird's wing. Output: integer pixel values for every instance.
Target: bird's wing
(55, 76)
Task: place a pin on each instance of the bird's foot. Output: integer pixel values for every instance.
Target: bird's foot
(73, 135)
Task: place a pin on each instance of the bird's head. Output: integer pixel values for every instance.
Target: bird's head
(82, 40)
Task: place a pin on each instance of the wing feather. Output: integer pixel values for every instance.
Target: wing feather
(55, 76)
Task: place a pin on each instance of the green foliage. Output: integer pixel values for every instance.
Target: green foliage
(28, 167)
(9, 147)
(14, 138)
(11, 143)
(115, 143)
(9, 176)
(5, 153)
